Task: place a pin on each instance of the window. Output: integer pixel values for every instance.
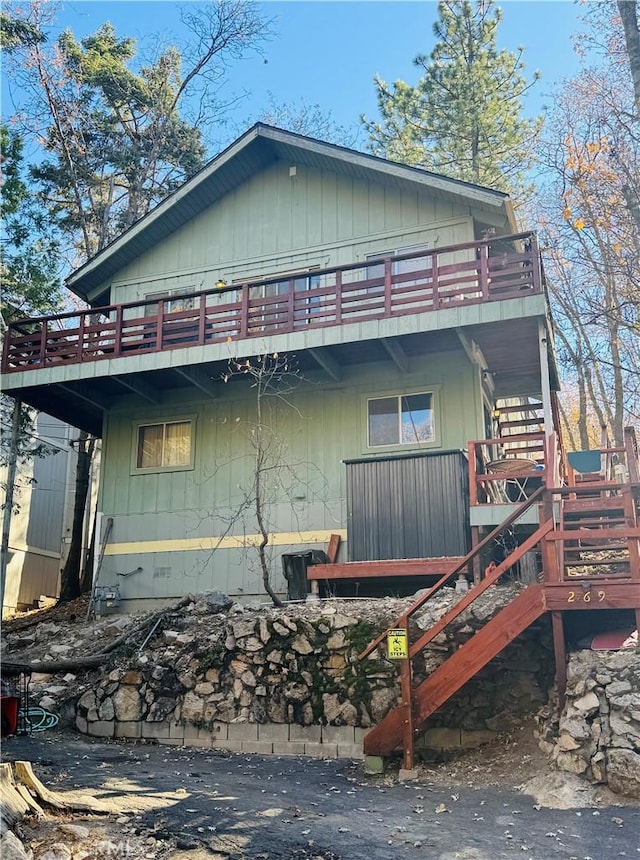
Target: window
(182, 303)
(398, 267)
(405, 419)
(166, 445)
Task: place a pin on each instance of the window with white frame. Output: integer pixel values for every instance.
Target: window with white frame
(403, 419)
(164, 445)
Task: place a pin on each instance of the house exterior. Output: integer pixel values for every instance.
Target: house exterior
(41, 521)
(413, 311)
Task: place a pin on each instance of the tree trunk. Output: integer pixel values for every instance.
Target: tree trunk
(70, 586)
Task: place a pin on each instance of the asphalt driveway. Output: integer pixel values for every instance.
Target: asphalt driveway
(199, 804)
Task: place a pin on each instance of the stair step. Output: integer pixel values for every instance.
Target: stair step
(615, 547)
(593, 505)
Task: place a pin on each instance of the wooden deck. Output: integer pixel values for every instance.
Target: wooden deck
(589, 545)
(446, 277)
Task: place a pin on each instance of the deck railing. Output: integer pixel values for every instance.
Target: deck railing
(447, 277)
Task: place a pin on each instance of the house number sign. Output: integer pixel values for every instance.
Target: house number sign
(397, 645)
(585, 597)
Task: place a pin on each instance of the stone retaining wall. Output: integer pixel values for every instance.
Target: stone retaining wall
(598, 734)
(289, 681)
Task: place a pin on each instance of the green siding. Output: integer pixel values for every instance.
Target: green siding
(326, 426)
(275, 222)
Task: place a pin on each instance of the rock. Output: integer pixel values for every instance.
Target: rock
(57, 851)
(106, 711)
(561, 791)
(381, 703)
(213, 602)
(623, 772)
(251, 644)
(127, 704)
(280, 629)
(242, 629)
(48, 703)
(301, 645)
(566, 742)
(12, 849)
(68, 678)
(587, 704)
(87, 700)
(75, 830)
(60, 650)
(192, 707)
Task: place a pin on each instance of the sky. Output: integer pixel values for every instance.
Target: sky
(328, 52)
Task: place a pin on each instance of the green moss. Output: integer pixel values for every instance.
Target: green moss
(361, 634)
(215, 657)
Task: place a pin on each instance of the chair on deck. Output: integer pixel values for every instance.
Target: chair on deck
(586, 464)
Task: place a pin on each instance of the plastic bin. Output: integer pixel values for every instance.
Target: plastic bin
(9, 706)
(294, 568)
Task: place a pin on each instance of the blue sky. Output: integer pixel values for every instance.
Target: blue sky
(328, 52)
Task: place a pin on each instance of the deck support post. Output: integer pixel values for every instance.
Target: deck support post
(475, 540)
(561, 657)
(407, 706)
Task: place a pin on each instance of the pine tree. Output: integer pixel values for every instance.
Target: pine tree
(463, 117)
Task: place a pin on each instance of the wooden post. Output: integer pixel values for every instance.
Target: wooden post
(291, 307)
(43, 343)
(435, 298)
(484, 272)
(387, 287)
(561, 659)
(475, 540)
(339, 297)
(407, 705)
(473, 483)
(244, 310)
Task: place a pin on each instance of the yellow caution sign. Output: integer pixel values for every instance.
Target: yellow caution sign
(397, 645)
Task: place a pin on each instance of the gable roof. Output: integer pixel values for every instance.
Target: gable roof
(259, 147)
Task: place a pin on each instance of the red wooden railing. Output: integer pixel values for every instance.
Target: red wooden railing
(470, 273)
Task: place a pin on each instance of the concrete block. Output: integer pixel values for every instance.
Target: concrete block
(81, 724)
(288, 747)
(102, 728)
(176, 730)
(231, 745)
(129, 729)
(440, 739)
(475, 738)
(243, 732)
(259, 747)
(213, 730)
(359, 734)
(350, 751)
(202, 743)
(171, 742)
(273, 732)
(321, 750)
(308, 734)
(155, 731)
(373, 764)
(219, 731)
(338, 734)
(405, 775)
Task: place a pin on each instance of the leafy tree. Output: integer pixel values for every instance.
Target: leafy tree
(115, 130)
(463, 117)
(30, 260)
(587, 210)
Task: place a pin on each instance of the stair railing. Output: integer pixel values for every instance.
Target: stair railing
(491, 577)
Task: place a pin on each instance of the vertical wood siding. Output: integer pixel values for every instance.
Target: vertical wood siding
(326, 426)
(275, 223)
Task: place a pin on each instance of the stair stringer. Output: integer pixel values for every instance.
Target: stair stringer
(461, 666)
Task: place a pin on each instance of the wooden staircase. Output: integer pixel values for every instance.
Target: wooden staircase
(388, 735)
(589, 543)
